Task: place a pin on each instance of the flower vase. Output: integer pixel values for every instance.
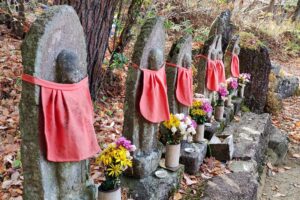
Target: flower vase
(229, 101)
(172, 155)
(219, 112)
(110, 195)
(241, 91)
(199, 136)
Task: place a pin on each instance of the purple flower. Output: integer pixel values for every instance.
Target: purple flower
(233, 84)
(194, 123)
(207, 107)
(222, 91)
(122, 141)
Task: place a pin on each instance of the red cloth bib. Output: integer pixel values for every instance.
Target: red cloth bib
(235, 66)
(68, 120)
(154, 105)
(184, 86)
(221, 71)
(212, 81)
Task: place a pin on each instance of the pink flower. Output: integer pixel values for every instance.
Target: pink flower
(122, 141)
(222, 91)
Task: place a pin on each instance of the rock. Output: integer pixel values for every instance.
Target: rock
(251, 136)
(213, 129)
(243, 166)
(254, 59)
(275, 68)
(279, 144)
(193, 160)
(151, 187)
(234, 186)
(287, 86)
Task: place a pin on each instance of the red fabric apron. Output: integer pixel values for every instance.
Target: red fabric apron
(68, 120)
(212, 81)
(221, 71)
(154, 105)
(235, 66)
(184, 86)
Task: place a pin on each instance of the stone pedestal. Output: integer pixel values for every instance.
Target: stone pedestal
(192, 160)
(152, 187)
(237, 103)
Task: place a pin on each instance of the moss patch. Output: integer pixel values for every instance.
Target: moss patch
(250, 41)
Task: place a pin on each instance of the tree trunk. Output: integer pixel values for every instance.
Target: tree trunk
(96, 17)
(296, 16)
(133, 13)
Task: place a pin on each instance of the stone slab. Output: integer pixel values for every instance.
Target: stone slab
(235, 186)
(251, 136)
(151, 187)
(193, 160)
(243, 166)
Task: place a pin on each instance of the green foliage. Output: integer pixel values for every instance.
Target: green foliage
(201, 34)
(17, 162)
(249, 40)
(119, 61)
(110, 183)
(293, 48)
(245, 108)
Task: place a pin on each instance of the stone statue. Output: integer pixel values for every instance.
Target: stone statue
(180, 55)
(54, 50)
(233, 47)
(148, 54)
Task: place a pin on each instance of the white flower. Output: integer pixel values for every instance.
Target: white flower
(190, 130)
(188, 121)
(132, 148)
(182, 127)
(180, 116)
(184, 137)
(194, 132)
(173, 129)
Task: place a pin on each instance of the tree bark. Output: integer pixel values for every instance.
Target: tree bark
(296, 16)
(133, 13)
(96, 17)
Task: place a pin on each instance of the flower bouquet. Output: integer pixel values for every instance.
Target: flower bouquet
(232, 85)
(198, 113)
(243, 79)
(219, 109)
(115, 159)
(178, 127)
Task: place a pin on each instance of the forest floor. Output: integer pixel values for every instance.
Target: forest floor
(282, 182)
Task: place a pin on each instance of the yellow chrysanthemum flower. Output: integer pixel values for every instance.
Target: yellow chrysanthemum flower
(114, 170)
(173, 121)
(198, 112)
(197, 104)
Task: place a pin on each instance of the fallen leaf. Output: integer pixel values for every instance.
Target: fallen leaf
(296, 155)
(270, 166)
(177, 196)
(287, 168)
(279, 195)
(187, 179)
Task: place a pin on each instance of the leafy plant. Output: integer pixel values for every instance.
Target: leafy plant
(119, 61)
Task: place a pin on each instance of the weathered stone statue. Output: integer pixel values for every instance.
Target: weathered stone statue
(181, 56)
(233, 48)
(53, 50)
(148, 54)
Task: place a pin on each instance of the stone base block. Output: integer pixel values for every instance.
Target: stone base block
(153, 188)
(192, 160)
(240, 185)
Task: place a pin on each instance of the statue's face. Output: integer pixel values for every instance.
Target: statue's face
(155, 59)
(237, 50)
(186, 61)
(68, 69)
